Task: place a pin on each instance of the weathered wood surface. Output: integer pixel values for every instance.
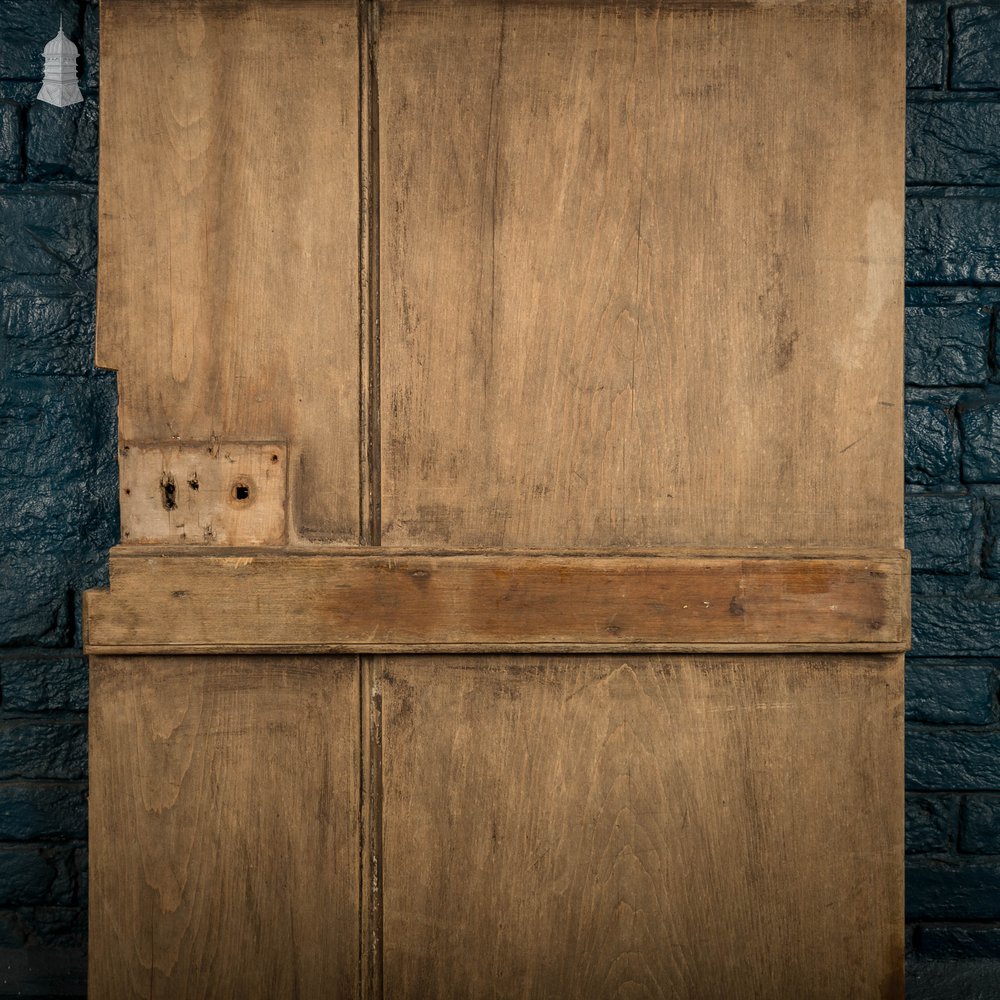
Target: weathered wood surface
(228, 282)
(595, 827)
(642, 287)
(629, 278)
(224, 828)
(382, 601)
(212, 493)
(641, 273)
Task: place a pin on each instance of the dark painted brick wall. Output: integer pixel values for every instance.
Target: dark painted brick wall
(58, 487)
(58, 496)
(953, 481)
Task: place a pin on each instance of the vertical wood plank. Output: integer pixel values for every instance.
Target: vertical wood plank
(656, 301)
(685, 827)
(641, 273)
(224, 827)
(229, 249)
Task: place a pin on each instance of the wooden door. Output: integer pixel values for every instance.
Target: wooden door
(511, 598)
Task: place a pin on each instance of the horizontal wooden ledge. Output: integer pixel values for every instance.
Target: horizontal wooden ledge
(382, 601)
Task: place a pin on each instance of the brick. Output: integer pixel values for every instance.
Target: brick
(63, 926)
(10, 141)
(950, 295)
(979, 830)
(48, 333)
(951, 693)
(25, 27)
(44, 684)
(981, 437)
(992, 546)
(952, 240)
(925, 35)
(62, 142)
(925, 585)
(940, 532)
(974, 46)
(21, 93)
(31, 748)
(57, 471)
(929, 823)
(964, 889)
(952, 980)
(943, 759)
(35, 600)
(48, 233)
(58, 478)
(34, 810)
(27, 877)
(947, 345)
(944, 941)
(955, 626)
(953, 142)
(932, 448)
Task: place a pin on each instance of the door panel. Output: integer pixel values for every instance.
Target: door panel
(224, 827)
(589, 827)
(228, 296)
(640, 273)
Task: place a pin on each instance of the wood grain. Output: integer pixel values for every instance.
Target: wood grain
(597, 827)
(228, 275)
(641, 273)
(641, 286)
(578, 286)
(224, 828)
(212, 493)
(385, 601)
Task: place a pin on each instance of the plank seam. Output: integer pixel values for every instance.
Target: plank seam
(370, 506)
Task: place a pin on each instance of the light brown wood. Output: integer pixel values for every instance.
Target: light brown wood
(608, 292)
(228, 284)
(596, 827)
(641, 285)
(224, 828)
(382, 601)
(213, 493)
(641, 273)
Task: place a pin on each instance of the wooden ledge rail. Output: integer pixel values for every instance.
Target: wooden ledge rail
(380, 601)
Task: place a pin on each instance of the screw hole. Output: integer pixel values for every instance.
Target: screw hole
(274, 459)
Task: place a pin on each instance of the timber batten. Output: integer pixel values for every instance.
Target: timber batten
(379, 601)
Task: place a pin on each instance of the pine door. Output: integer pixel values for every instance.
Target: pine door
(510, 600)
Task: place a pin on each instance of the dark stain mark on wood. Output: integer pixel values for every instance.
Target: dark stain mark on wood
(168, 491)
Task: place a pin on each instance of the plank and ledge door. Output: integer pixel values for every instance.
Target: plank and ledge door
(510, 600)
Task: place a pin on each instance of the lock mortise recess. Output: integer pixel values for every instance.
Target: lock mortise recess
(211, 493)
